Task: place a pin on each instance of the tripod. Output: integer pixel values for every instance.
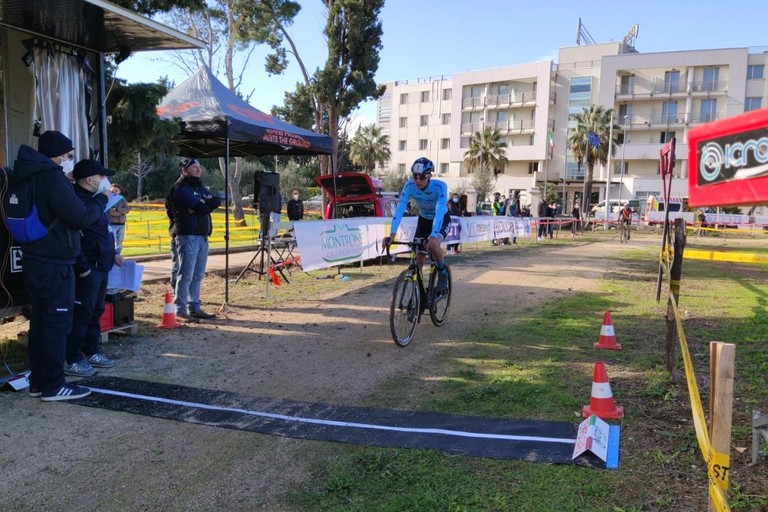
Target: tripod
(264, 252)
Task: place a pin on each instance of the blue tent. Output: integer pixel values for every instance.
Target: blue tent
(217, 122)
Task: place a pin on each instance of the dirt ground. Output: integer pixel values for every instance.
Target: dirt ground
(315, 339)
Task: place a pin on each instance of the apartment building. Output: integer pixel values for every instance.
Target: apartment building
(654, 96)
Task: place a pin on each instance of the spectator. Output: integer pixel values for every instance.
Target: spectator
(463, 201)
(49, 277)
(542, 211)
(497, 208)
(118, 214)
(189, 205)
(576, 214)
(97, 255)
(454, 209)
(513, 210)
(295, 207)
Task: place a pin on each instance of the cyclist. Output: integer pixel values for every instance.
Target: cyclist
(625, 218)
(431, 197)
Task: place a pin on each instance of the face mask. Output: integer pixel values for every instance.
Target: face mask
(296, 196)
(68, 166)
(104, 185)
(455, 199)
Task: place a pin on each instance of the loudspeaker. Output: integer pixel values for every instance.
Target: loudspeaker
(266, 191)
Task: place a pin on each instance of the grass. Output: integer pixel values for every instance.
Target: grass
(539, 374)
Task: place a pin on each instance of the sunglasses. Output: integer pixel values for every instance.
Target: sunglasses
(188, 162)
(420, 177)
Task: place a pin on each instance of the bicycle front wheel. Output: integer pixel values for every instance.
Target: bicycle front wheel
(439, 302)
(405, 308)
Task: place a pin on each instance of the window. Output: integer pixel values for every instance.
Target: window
(443, 168)
(533, 167)
(627, 84)
(477, 91)
(445, 143)
(401, 145)
(401, 168)
(669, 112)
(403, 122)
(617, 168)
(754, 71)
(666, 137)
(422, 144)
(423, 120)
(711, 79)
(404, 98)
(625, 114)
(671, 81)
(503, 89)
(708, 111)
(446, 119)
(447, 94)
(752, 103)
(501, 116)
(424, 96)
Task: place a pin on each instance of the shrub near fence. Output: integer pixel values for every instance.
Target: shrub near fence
(147, 230)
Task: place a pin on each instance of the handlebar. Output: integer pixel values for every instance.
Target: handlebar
(416, 243)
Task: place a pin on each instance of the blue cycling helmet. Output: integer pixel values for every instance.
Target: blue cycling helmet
(422, 166)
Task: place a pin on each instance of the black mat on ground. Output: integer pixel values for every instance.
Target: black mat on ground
(535, 441)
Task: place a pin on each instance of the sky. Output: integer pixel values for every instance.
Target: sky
(432, 38)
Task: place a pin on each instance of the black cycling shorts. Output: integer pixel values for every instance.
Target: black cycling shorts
(424, 227)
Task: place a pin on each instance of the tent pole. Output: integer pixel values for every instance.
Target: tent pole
(226, 226)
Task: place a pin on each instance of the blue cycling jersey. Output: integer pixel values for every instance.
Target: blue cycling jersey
(432, 203)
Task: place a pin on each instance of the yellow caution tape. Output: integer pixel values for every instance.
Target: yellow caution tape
(718, 464)
(737, 257)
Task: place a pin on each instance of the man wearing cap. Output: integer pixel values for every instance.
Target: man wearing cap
(48, 263)
(189, 205)
(97, 255)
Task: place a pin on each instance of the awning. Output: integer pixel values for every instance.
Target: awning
(93, 25)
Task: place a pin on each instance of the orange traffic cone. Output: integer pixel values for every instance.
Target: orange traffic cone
(273, 276)
(601, 404)
(607, 335)
(169, 314)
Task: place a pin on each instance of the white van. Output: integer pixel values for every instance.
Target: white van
(616, 205)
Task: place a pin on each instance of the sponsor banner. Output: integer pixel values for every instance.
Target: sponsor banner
(327, 243)
(728, 161)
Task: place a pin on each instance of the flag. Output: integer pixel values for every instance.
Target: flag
(593, 139)
(551, 140)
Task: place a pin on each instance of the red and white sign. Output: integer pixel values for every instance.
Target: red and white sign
(728, 161)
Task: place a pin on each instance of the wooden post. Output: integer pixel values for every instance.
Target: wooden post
(721, 371)
(676, 273)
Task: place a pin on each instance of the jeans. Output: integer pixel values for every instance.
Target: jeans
(174, 263)
(89, 306)
(51, 289)
(193, 255)
(118, 230)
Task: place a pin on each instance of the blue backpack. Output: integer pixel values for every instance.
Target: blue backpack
(20, 212)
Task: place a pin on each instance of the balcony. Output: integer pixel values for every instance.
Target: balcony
(669, 121)
(513, 99)
(473, 103)
(671, 89)
(467, 128)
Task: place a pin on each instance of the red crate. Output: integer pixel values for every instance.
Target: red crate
(107, 320)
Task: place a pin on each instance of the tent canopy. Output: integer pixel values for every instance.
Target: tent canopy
(213, 117)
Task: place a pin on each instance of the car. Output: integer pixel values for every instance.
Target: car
(314, 203)
(484, 208)
(247, 201)
(355, 194)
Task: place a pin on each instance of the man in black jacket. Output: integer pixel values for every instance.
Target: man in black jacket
(189, 205)
(295, 207)
(92, 267)
(48, 263)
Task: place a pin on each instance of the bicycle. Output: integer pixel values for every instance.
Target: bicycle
(624, 231)
(410, 299)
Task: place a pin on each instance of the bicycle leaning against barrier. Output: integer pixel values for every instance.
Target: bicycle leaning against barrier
(411, 298)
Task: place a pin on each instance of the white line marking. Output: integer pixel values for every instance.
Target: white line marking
(457, 433)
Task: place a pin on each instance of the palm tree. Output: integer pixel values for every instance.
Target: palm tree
(596, 120)
(369, 147)
(486, 153)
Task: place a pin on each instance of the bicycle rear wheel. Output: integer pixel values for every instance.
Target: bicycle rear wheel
(439, 303)
(405, 308)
